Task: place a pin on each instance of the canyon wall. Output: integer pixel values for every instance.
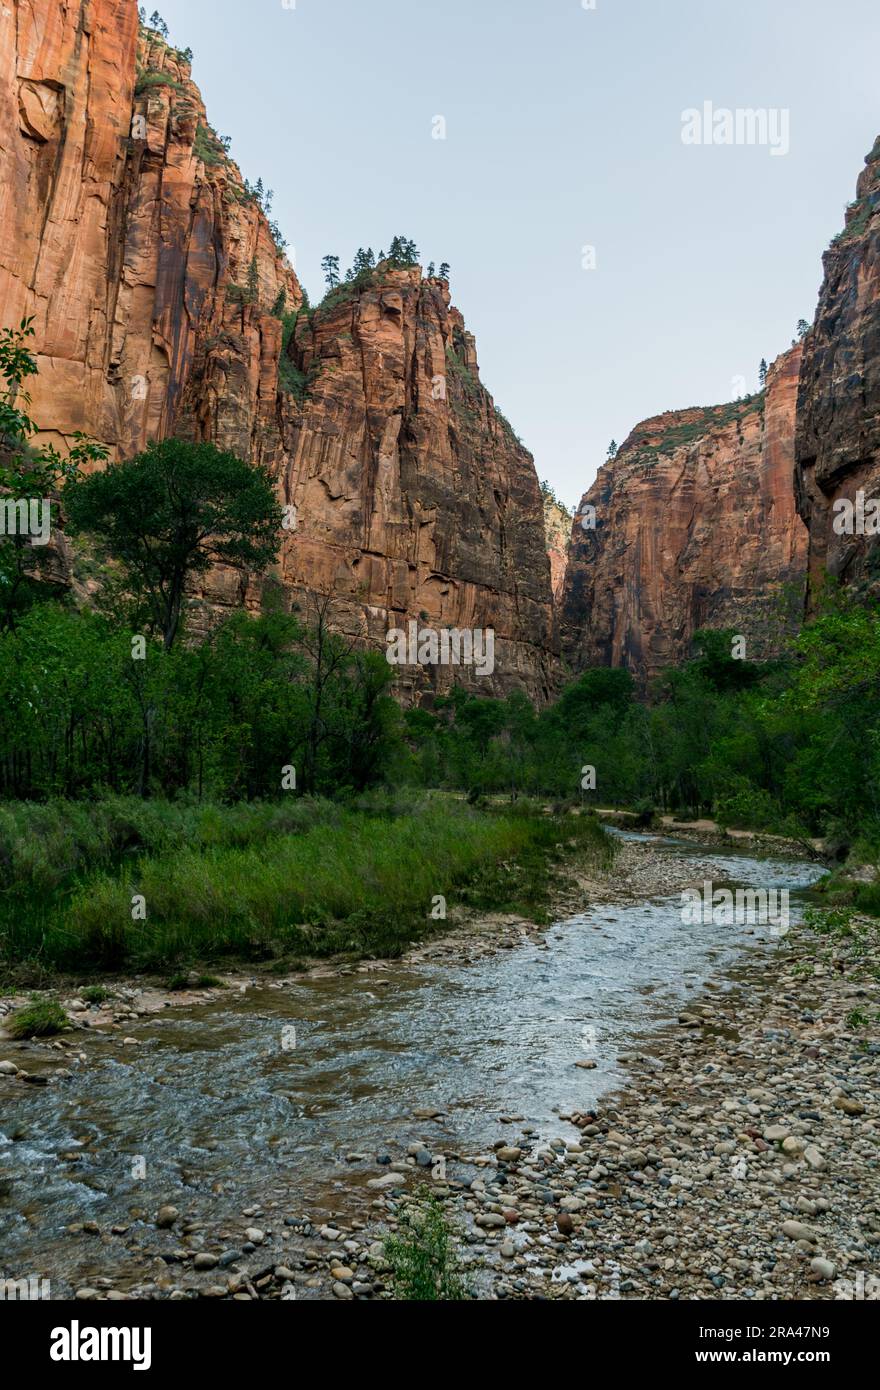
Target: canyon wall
(557, 534)
(694, 526)
(837, 445)
(122, 225)
(159, 292)
(414, 499)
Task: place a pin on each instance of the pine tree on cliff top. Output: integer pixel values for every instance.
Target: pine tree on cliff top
(330, 267)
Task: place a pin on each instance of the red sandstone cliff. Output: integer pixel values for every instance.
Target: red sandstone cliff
(695, 526)
(157, 289)
(118, 237)
(557, 533)
(838, 429)
(414, 499)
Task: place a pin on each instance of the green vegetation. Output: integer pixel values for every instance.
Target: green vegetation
(207, 146)
(171, 513)
(790, 746)
(28, 471)
(714, 417)
(96, 994)
(152, 78)
(42, 1018)
(422, 1255)
(402, 254)
(355, 879)
(859, 214)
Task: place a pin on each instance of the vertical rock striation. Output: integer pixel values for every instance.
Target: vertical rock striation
(695, 526)
(158, 288)
(837, 445)
(414, 499)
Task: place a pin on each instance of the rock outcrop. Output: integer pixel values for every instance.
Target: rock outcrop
(557, 534)
(414, 499)
(693, 524)
(123, 224)
(837, 444)
(159, 292)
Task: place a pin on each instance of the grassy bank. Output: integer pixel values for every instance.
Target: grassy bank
(267, 883)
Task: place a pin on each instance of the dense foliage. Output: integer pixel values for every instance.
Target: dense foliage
(791, 745)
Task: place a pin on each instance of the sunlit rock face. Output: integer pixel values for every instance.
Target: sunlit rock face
(157, 292)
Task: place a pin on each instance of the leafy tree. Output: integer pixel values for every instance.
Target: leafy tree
(803, 328)
(172, 512)
(443, 272)
(762, 372)
(253, 282)
(611, 452)
(29, 476)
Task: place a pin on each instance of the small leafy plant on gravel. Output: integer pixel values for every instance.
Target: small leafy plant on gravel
(423, 1259)
(830, 922)
(42, 1018)
(95, 994)
(857, 1020)
(181, 981)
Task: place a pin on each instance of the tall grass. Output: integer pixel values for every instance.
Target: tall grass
(353, 881)
(43, 846)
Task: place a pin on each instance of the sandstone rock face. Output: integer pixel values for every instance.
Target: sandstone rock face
(695, 526)
(557, 534)
(837, 445)
(122, 225)
(414, 499)
(157, 291)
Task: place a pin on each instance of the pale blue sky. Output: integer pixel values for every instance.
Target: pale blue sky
(563, 130)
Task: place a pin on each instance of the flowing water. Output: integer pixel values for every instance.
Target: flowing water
(264, 1097)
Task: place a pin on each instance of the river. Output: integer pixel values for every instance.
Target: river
(282, 1099)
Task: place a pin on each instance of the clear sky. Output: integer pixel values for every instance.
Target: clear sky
(563, 131)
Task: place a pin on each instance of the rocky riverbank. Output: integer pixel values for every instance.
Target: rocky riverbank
(740, 1161)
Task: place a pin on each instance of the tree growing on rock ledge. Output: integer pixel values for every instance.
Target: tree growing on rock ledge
(330, 267)
(171, 513)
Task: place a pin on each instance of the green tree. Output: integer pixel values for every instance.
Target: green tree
(29, 478)
(364, 262)
(170, 514)
(330, 267)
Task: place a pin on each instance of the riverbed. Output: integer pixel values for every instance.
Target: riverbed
(270, 1108)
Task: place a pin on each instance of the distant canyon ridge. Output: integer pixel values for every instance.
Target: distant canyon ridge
(164, 304)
